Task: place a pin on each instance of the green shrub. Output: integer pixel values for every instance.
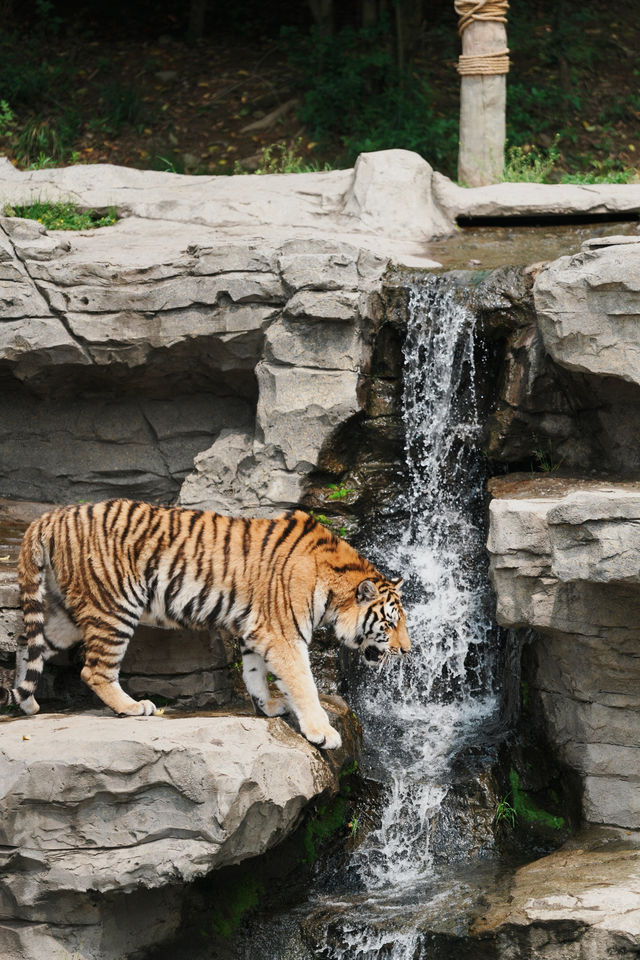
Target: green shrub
(122, 106)
(354, 93)
(44, 137)
(531, 164)
(6, 118)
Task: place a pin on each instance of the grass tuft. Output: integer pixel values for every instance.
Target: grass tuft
(61, 216)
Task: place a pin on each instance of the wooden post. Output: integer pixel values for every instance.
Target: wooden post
(322, 13)
(483, 91)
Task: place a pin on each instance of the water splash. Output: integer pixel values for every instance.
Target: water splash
(433, 700)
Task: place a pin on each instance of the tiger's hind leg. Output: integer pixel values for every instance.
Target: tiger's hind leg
(254, 674)
(59, 634)
(48, 629)
(106, 644)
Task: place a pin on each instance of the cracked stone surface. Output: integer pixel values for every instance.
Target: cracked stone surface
(384, 204)
(588, 308)
(132, 810)
(565, 561)
(205, 347)
(140, 356)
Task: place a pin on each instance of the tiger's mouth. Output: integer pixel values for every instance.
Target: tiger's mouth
(373, 654)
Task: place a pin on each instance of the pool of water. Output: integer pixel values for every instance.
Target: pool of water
(486, 248)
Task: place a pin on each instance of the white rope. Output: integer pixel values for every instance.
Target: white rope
(487, 64)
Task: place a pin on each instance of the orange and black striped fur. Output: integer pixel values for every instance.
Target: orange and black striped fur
(91, 573)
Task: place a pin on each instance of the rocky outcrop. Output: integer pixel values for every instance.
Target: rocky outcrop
(519, 200)
(581, 901)
(132, 810)
(588, 307)
(207, 346)
(384, 204)
(135, 350)
(568, 388)
(565, 561)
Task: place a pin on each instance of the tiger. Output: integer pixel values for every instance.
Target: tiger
(90, 573)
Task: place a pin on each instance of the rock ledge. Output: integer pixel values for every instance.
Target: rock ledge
(94, 807)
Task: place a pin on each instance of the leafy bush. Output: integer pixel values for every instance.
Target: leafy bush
(6, 118)
(530, 165)
(353, 92)
(122, 105)
(45, 137)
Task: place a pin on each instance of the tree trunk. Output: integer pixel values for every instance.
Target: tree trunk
(483, 101)
(368, 13)
(409, 28)
(197, 12)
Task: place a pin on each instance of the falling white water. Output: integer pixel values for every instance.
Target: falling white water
(419, 711)
(416, 715)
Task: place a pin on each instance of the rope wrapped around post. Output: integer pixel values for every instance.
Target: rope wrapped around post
(488, 64)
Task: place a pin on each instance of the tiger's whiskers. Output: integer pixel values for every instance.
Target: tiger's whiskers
(386, 656)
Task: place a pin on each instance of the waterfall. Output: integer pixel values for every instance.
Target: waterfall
(420, 712)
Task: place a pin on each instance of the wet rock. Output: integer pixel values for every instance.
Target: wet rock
(563, 362)
(581, 901)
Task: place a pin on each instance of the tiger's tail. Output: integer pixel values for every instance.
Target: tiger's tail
(31, 577)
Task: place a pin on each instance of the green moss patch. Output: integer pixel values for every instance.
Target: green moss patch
(243, 896)
(527, 810)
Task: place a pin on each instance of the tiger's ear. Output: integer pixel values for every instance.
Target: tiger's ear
(397, 583)
(366, 590)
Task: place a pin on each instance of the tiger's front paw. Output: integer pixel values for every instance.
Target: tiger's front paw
(140, 708)
(324, 737)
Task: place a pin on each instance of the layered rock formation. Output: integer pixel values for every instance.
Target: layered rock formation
(580, 902)
(131, 352)
(565, 560)
(219, 332)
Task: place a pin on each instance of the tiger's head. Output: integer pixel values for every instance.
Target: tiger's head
(377, 623)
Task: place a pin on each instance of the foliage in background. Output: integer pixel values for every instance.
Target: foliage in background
(354, 93)
(282, 157)
(128, 86)
(530, 164)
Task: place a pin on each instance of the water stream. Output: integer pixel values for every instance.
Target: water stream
(423, 710)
